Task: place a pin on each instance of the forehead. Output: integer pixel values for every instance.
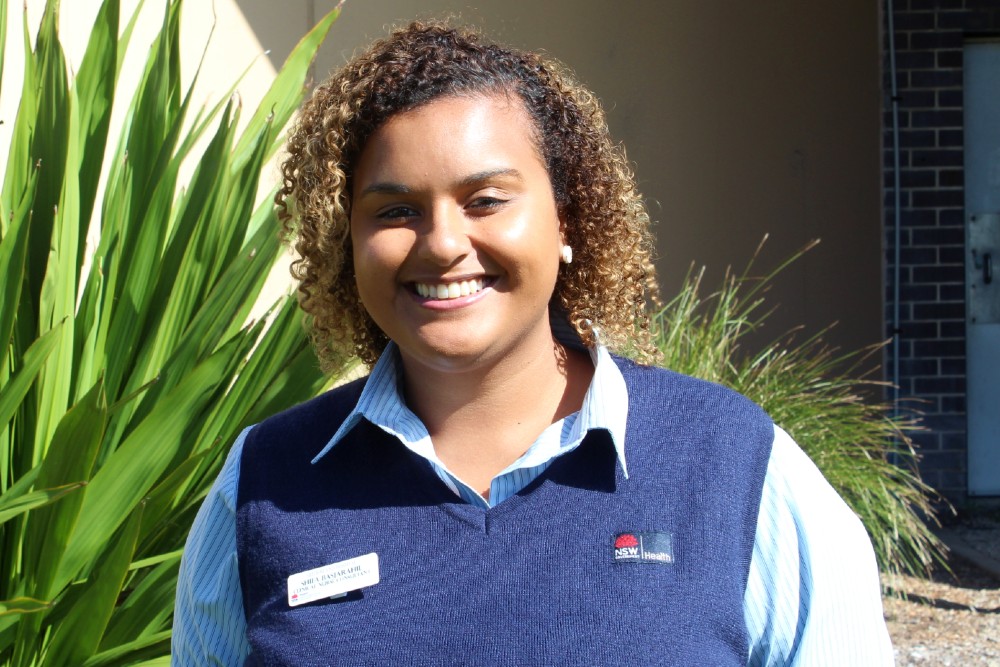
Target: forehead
(450, 136)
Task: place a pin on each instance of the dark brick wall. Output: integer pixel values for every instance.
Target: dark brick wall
(929, 37)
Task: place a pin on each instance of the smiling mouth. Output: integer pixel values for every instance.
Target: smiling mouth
(454, 290)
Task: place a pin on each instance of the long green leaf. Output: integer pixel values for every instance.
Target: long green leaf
(129, 317)
(183, 275)
(72, 454)
(163, 499)
(155, 114)
(286, 92)
(13, 255)
(115, 214)
(157, 560)
(22, 484)
(127, 654)
(70, 458)
(147, 609)
(86, 355)
(223, 310)
(134, 467)
(23, 605)
(20, 161)
(205, 116)
(95, 91)
(126, 36)
(79, 634)
(29, 501)
(240, 199)
(268, 379)
(3, 37)
(12, 393)
(58, 296)
(49, 145)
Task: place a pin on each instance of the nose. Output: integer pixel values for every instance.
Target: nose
(444, 236)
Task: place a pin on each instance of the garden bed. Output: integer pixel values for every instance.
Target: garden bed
(951, 618)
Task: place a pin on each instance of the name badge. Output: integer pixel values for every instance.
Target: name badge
(333, 580)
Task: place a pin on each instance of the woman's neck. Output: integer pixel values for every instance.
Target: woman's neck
(484, 419)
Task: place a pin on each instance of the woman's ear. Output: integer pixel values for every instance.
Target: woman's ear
(562, 228)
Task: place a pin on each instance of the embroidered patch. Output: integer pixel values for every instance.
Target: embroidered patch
(649, 547)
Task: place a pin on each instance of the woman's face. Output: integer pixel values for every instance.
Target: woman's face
(455, 233)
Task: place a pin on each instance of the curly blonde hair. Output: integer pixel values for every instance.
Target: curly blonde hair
(603, 292)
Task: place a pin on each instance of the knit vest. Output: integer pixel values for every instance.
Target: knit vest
(581, 567)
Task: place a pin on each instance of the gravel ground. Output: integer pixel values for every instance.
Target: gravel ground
(951, 619)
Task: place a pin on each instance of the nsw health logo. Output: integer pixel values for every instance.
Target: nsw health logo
(644, 547)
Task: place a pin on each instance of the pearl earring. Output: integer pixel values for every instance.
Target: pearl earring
(566, 254)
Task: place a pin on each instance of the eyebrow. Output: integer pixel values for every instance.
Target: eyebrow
(491, 173)
(385, 189)
(390, 188)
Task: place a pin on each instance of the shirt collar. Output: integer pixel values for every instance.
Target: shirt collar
(605, 405)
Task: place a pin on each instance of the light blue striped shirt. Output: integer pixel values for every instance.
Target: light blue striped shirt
(812, 596)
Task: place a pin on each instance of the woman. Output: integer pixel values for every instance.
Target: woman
(501, 489)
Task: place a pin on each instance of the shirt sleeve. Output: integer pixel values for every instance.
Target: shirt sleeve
(209, 623)
(813, 595)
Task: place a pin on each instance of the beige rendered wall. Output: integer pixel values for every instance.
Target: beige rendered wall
(742, 118)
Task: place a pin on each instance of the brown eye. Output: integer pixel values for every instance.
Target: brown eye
(486, 203)
(397, 213)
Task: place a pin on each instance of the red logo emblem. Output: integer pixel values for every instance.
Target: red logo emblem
(626, 540)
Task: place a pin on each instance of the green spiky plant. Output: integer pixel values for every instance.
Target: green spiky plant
(121, 386)
(821, 398)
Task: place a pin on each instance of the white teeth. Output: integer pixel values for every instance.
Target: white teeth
(449, 290)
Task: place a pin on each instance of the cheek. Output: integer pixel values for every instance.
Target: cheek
(378, 258)
(539, 233)
(367, 246)
(368, 263)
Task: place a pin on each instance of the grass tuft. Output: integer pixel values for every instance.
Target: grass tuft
(822, 397)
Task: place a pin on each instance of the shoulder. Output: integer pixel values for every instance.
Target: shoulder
(315, 420)
(208, 609)
(675, 420)
(813, 589)
(660, 391)
(798, 490)
(278, 452)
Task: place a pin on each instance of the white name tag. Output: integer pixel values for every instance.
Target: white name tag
(333, 580)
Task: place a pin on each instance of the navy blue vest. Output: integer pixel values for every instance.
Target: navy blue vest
(533, 581)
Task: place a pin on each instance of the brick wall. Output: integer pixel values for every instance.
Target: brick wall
(929, 38)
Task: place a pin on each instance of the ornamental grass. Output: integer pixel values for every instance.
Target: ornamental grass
(827, 400)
